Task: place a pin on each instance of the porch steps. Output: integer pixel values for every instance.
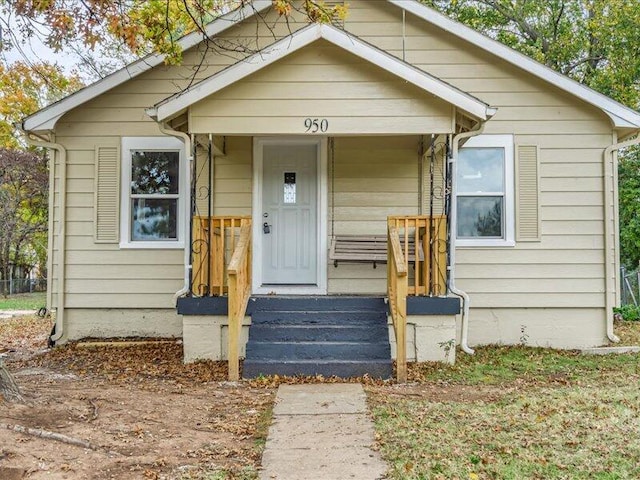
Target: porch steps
(329, 336)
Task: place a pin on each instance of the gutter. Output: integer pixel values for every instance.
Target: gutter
(62, 153)
(186, 288)
(609, 178)
(466, 301)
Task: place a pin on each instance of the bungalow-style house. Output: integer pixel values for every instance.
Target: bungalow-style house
(318, 181)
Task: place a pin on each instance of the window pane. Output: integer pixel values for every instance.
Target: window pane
(154, 172)
(154, 219)
(480, 217)
(481, 170)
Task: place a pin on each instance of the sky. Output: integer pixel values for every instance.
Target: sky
(32, 50)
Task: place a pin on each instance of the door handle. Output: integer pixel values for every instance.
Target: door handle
(266, 228)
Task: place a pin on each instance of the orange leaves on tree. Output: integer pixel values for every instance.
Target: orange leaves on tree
(142, 25)
(24, 89)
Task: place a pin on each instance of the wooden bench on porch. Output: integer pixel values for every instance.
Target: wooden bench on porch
(367, 248)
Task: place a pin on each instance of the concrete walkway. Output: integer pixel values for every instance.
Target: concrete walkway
(321, 432)
(6, 314)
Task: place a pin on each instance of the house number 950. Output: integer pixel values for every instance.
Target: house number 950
(315, 125)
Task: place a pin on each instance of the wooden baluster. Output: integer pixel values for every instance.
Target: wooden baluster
(416, 258)
(223, 254)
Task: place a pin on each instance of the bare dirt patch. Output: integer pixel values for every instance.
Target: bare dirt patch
(440, 393)
(145, 413)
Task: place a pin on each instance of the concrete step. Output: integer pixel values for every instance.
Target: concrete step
(318, 350)
(318, 333)
(337, 317)
(327, 368)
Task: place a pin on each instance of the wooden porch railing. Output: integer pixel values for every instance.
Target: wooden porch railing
(430, 268)
(214, 242)
(397, 286)
(239, 271)
(428, 234)
(221, 262)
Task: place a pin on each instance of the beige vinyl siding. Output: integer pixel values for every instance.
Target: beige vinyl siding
(86, 284)
(232, 177)
(234, 173)
(374, 177)
(301, 87)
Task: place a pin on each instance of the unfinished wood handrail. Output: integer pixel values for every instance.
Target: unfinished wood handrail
(429, 270)
(239, 271)
(397, 287)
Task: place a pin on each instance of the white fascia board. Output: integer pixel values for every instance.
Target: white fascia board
(46, 118)
(302, 38)
(621, 115)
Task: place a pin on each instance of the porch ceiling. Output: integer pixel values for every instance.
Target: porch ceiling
(326, 80)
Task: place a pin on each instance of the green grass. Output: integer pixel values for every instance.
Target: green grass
(498, 365)
(23, 301)
(513, 413)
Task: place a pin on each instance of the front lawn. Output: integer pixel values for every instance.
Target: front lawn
(513, 413)
(23, 301)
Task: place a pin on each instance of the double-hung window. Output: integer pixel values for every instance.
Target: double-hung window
(484, 193)
(153, 193)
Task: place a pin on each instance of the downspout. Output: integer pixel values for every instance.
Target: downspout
(466, 301)
(62, 152)
(611, 157)
(186, 288)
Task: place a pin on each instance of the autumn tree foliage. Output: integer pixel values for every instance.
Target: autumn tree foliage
(26, 88)
(596, 42)
(629, 193)
(23, 209)
(141, 26)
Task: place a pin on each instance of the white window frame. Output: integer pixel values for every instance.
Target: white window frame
(494, 141)
(130, 144)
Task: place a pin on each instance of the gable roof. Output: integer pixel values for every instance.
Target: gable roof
(621, 116)
(303, 37)
(46, 118)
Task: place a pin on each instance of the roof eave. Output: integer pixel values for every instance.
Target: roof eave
(303, 37)
(621, 115)
(46, 118)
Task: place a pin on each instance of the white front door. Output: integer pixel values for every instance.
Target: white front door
(288, 226)
(290, 212)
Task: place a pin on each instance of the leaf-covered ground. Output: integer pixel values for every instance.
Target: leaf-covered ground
(149, 415)
(505, 413)
(514, 413)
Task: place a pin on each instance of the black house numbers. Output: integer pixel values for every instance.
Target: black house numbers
(316, 125)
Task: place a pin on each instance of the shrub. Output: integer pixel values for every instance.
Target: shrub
(629, 313)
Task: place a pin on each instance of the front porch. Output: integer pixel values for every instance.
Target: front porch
(320, 334)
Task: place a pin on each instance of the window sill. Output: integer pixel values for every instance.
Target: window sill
(152, 245)
(485, 243)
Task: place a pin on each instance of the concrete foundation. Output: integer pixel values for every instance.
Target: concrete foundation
(430, 338)
(205, 337)
(120, 322)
